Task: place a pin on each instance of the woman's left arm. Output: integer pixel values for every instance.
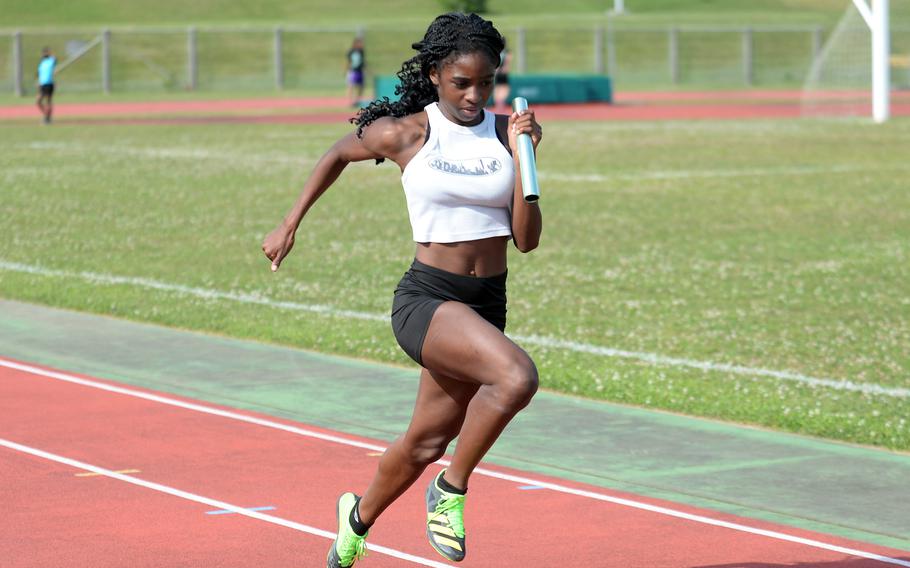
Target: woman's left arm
(527, 222)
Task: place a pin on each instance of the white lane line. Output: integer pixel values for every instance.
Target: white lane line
(187, 405)
(221, 505)
(541, 341)
(481, 471)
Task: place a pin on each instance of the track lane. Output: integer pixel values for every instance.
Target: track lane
(250, 465)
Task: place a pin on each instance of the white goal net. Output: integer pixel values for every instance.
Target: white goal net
(841, 79)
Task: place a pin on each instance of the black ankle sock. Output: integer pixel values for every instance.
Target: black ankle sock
(449, 488)
(360, 529)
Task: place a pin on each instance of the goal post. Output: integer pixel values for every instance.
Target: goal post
(876, 17)
(850, 75)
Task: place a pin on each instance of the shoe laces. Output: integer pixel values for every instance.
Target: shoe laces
(452, 508)
(352, 547)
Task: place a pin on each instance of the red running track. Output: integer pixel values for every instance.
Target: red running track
(170, 107)
(580, 112)
(52, 517)
(702, 105)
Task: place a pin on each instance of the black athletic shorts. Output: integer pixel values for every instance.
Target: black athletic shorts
(47, 90)
(502, 79)
(423, 288)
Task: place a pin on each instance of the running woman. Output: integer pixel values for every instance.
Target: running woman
(462, 182)
(45, 75)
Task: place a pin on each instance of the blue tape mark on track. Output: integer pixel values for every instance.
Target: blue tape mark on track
(528, 487)
(225, 512)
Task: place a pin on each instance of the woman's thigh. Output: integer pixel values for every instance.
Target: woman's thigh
(461, 345)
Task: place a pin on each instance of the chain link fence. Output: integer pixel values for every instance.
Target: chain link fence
(312, 59)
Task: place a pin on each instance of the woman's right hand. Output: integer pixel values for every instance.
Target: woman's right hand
(278, 244)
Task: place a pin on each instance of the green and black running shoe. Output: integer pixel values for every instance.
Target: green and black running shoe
(445, 521)
(348, 546)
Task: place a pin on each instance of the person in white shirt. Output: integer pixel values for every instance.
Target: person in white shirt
(461, 177)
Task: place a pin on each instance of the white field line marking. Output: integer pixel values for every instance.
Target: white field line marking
(481, 471)
(221, 505)
(204, 293)
(177, 152)
(171, 153)
(696, 174)
(549, 342)
(867, 388)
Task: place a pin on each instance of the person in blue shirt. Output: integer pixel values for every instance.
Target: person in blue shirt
(46, 84)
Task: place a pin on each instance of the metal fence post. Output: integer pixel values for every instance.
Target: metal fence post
(17, 64)
(106, 61)
(599, 50)
(192, 61)
(673, 41)
(522, 52)
(748, 63)
(279, 62)
(611, 49)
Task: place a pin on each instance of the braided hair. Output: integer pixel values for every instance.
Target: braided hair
(449, 36)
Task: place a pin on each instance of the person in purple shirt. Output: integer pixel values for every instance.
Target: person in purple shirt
(355, 68)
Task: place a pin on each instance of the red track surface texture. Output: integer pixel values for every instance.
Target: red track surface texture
(628, 106)
(51, 517)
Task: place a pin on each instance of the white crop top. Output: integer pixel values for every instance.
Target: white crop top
(459, 185)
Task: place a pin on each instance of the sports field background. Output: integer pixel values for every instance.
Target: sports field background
(325, 12)
(235, 42)
(671, 250)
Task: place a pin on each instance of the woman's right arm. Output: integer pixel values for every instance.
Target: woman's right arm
(380, 140)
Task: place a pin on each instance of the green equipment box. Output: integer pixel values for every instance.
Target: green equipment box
(535, 88)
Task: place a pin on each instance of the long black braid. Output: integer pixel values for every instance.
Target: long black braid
(449, 35)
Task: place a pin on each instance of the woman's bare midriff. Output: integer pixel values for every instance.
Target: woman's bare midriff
(481, 258)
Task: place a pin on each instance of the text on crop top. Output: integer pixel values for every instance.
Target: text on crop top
(459, 185)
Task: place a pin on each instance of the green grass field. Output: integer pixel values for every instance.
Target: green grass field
(771, 245)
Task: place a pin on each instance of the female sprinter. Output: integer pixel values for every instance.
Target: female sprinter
(461, 178)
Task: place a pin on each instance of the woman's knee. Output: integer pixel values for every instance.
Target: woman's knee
(519, 383)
